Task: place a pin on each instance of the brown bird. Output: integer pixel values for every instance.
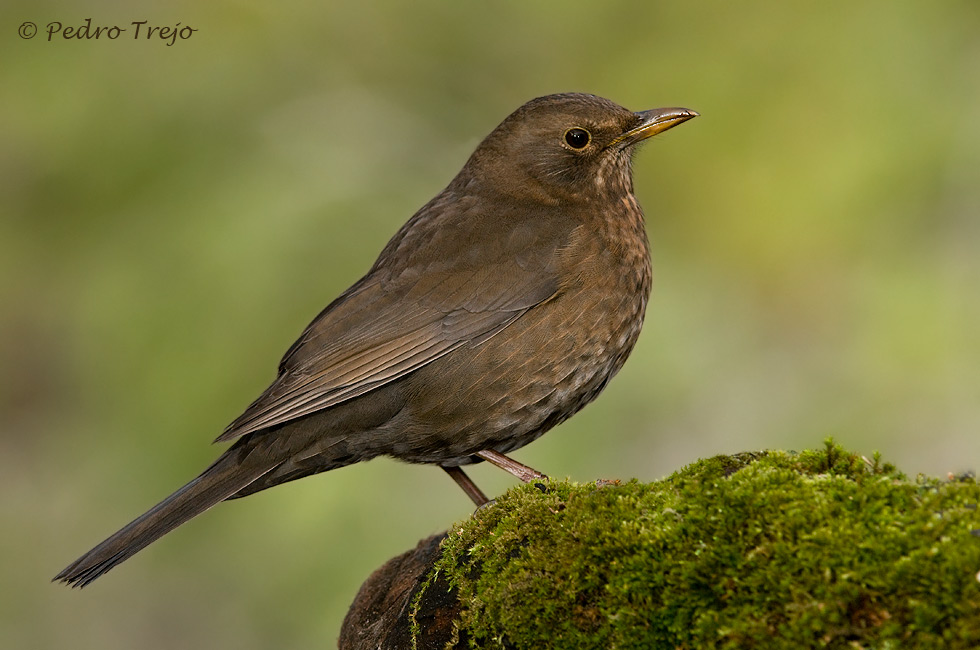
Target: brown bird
(499, 310)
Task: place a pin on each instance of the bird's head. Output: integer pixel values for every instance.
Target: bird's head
(565, 147)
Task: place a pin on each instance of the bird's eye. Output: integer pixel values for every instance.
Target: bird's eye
(577, 138)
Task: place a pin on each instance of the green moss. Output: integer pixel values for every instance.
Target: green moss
(777, 550)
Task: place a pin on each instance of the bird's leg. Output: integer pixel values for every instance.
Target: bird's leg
(523, 472)
(465, 482)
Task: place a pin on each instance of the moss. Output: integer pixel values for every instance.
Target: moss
(778, 550)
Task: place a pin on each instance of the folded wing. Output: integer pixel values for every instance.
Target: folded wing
(395, 321)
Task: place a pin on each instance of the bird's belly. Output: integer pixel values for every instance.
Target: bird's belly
(526, 379)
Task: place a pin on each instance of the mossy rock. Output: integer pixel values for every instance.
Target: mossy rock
(820, 549)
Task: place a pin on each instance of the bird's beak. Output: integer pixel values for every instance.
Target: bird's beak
(655, 121)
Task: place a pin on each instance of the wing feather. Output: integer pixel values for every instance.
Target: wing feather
(403, 316)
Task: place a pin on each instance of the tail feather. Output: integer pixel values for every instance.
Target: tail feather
(224, 478)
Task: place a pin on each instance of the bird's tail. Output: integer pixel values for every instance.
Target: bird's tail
(229, 474)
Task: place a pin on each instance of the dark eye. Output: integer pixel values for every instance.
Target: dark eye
(577, 138)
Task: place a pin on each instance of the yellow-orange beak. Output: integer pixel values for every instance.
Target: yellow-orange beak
(655, 121)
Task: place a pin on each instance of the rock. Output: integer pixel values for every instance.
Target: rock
(381, 614)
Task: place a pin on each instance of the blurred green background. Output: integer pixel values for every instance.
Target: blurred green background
(172, 217)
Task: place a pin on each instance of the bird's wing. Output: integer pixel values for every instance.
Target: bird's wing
(400, 317)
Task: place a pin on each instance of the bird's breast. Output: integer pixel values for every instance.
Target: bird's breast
(552, 360)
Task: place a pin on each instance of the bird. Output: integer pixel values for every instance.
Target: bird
(497, 311)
